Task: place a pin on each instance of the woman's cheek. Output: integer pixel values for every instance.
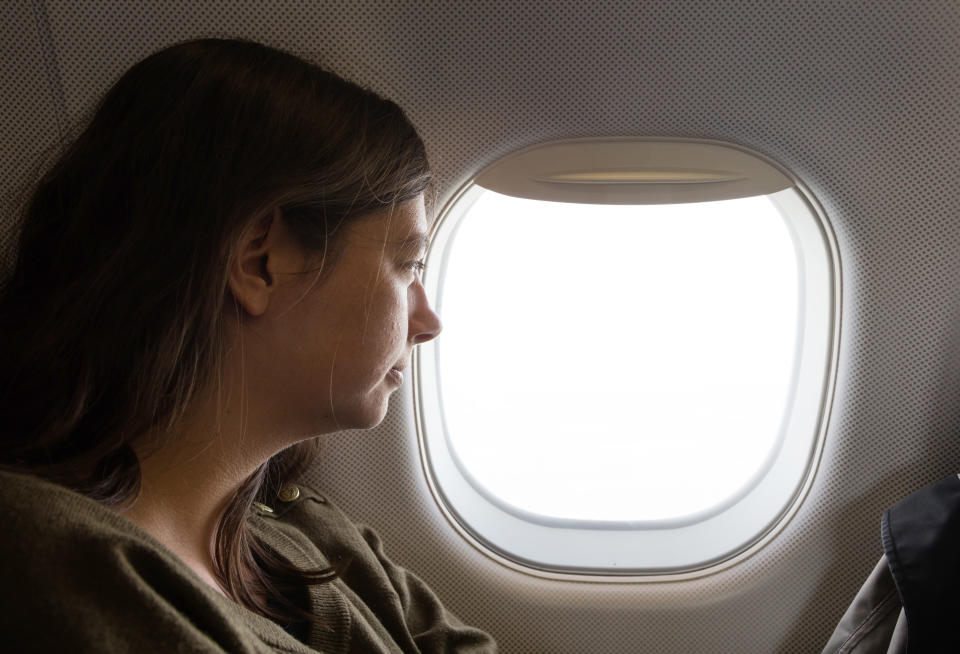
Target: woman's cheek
(399, 314)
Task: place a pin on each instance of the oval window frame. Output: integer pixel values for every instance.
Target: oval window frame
(643, 171)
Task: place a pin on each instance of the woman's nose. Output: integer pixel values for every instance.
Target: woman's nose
(425, 324)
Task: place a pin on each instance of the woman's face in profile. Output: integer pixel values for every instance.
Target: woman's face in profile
(342, 346)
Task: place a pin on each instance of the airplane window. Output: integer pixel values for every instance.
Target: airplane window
(617, 352)
(626, 388)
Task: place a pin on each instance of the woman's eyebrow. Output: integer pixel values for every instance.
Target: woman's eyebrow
(413, 243)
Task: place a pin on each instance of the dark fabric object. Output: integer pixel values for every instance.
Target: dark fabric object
(873, 624)
(921, 539)
(78, 577)
(910, 603)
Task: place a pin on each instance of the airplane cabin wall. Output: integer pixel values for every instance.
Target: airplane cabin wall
(858, 99)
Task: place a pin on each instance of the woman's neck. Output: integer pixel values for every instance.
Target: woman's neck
(188, 480)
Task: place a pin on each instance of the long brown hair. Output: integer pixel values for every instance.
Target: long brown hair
(112, 320)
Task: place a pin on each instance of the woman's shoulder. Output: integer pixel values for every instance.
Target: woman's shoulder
(398, 605)
(310, 511)
(37, 511)
(78, 576)
(302, 512)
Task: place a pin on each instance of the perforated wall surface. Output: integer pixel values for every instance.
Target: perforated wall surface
(861, 100)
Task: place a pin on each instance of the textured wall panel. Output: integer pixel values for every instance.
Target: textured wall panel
(859, 99)
(31, 107)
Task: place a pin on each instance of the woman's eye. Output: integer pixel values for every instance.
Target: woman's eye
(416, 266)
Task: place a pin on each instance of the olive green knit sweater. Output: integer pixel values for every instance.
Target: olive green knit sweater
(78, 577)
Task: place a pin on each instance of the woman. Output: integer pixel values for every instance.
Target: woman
(223, 265)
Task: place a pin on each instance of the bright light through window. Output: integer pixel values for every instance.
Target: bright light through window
(607, 362)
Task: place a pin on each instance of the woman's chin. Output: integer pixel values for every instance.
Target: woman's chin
(366, 415)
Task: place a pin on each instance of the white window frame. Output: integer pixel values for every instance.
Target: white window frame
(669, 171)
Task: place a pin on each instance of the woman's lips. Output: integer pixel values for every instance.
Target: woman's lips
(396, 375)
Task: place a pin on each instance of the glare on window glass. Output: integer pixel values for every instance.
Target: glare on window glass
(617, 362)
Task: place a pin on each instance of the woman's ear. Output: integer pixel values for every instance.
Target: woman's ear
(251, 280)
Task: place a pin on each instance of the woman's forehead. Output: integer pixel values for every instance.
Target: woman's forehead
(403, 225)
